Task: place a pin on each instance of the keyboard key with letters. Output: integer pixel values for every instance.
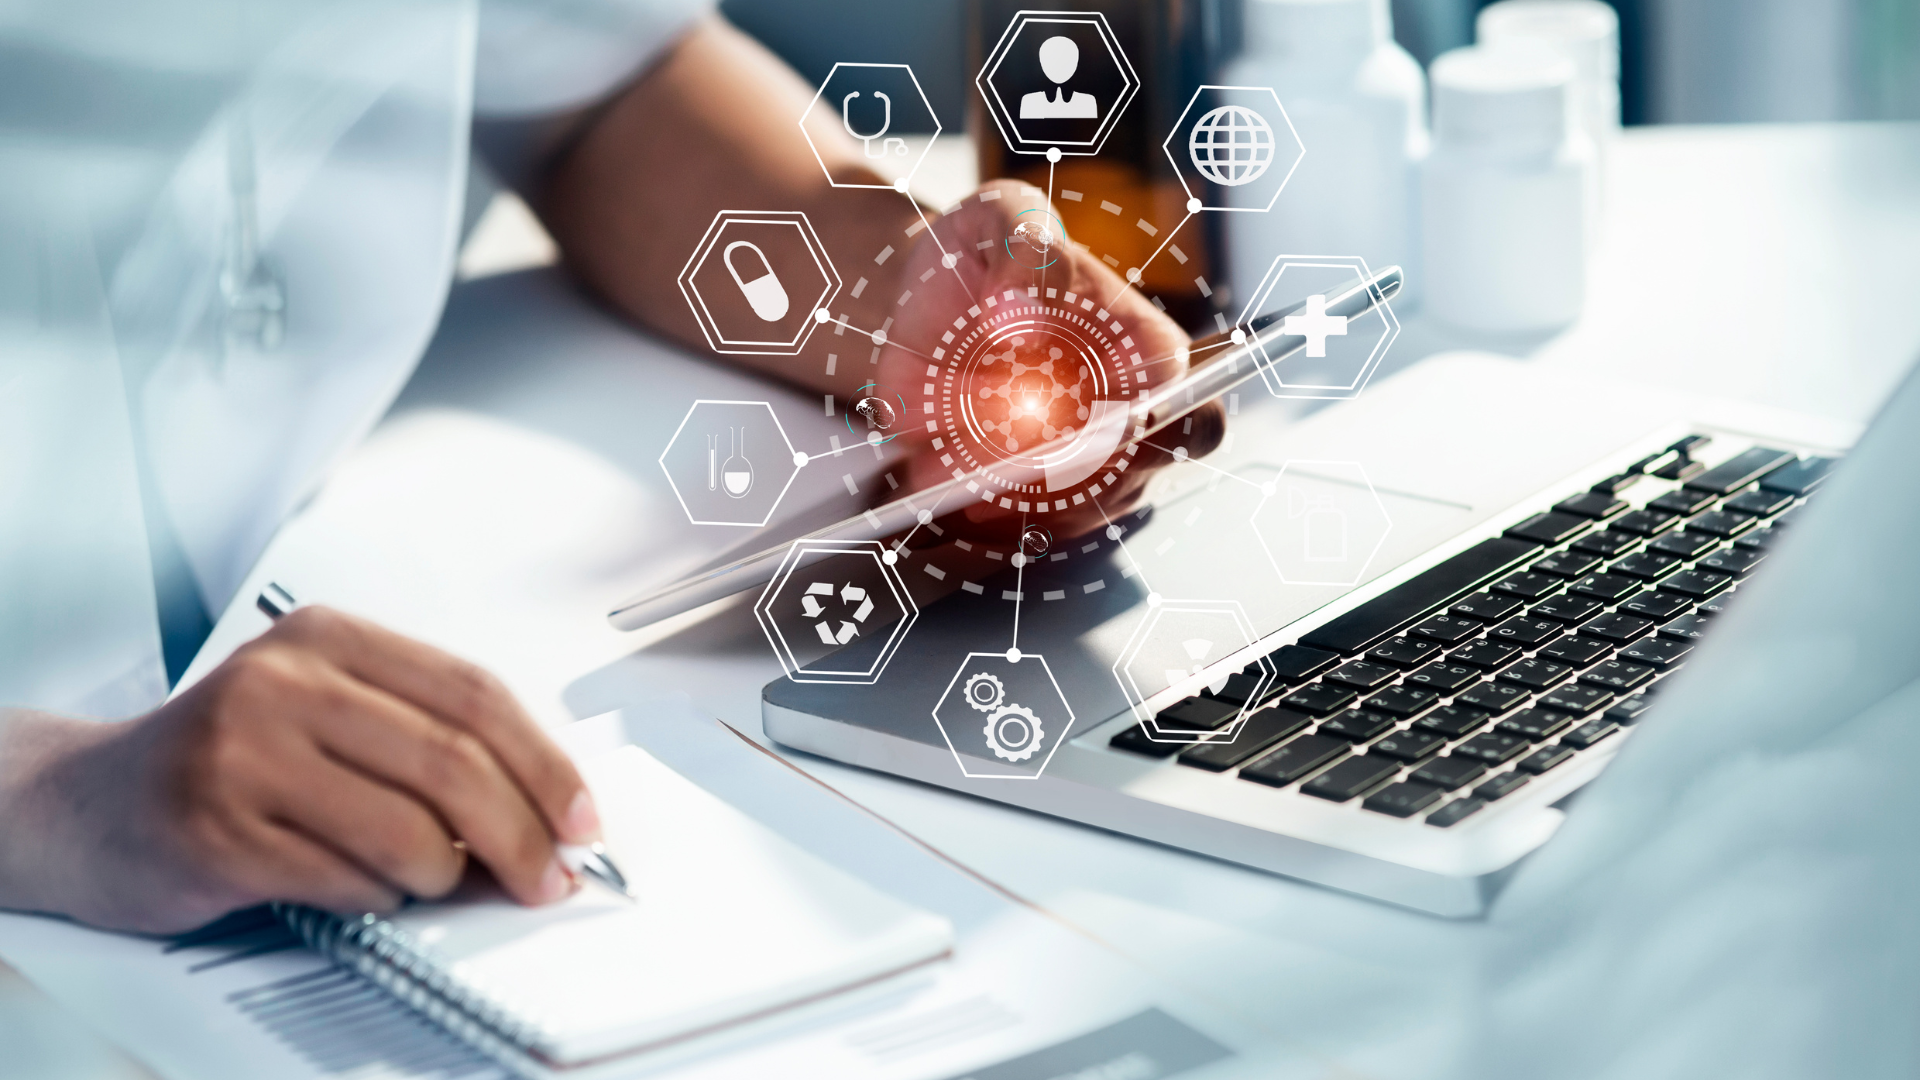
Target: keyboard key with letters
(1618, 626)
(1566, 564)
(1403, 701)
(1295, 664)
(1487, 607)
(1449, 772)
(1319, 699)
(1452, 721)
(1545, 758)
(1293, 760)
(1422, 595)
(1525, 630)
(1443, 676)
(1591, 504)
(1617, 675)
(1409, 746)
(1607, 544)
(1447, 629)
(1403, 799)
(1578, 699)
(1569, 608)
(1495, 698)
(1501, 785)
(1589, 733)
(1647, 565)
(1578, 651)
(1492, 747)
(1357, 725)
(1646, 522)
(1535, 725)
(1656, 605)
(1455, 812)
(1404, 652)
(1659, 652)
(1537, 674)
(1487, 655)
(1759, 502)
(1262, 729)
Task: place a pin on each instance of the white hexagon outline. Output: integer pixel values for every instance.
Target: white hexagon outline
(1166, 147)
(1136, 700)
(709, 326)
(1003, 117)
(687, 419)
(1058, 740)
(1254, 521)
(889, 572)
(1270, 281)
(937, 127)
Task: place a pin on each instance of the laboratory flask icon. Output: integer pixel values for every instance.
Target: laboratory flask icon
(763, 292)
(736, 473)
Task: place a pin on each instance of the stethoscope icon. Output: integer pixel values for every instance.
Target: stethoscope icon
(866, 141)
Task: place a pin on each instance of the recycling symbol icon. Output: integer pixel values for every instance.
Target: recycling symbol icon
(822, 622)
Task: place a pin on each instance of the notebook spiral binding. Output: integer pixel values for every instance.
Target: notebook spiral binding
(390, 959)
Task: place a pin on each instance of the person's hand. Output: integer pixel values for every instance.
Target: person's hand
(329, 762)
(977, 233)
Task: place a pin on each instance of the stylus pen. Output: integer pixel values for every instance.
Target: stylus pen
(593, 859)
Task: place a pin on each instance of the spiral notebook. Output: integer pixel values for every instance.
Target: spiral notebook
(733, 923)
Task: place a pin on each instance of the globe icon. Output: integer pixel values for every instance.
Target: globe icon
(1231, 145)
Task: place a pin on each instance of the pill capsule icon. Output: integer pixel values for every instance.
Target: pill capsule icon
(763, 291)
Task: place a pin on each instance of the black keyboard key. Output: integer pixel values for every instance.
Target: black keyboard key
(1403, 701)
(1646, 522)
(1578, 651)
(1545, 758)
(1444, 676)
(1486, 606)
(1295, 759)
(1536, 674)
(1656, 605)
(1244, 690)
(1409, 746)
(1617, 626)
(1487, 655)
(1759, 502)
(1618, 676)
(1501, 785)
(1529, 586)
(1535, 725)
(1404, 652)
(1568, 609)
(1196, 714)
(1735, 561)
(1363, 675)
(1453, 721)
(1566, 564)
(1455, 812)
(1683, 502)
(1685, 543)
(1262, 729)
(1697, 585)
(1660, 652)
(1756, 540)
(1526, 630)
(1685, 628)
(1491, 747)
(1608, 587)
(1550, 529)
(1495, 698)
(1319, 699)
(1409, 602)
(1357, 725)
(1679, 468)
(1740, 470)
(1351, 777)
(1589, 733)
(1630, 710)
(1135, 740)
(1722, 524)
(1715, 606)
(1799, 477)
(1647, 565)
(1591, 504)
(1403, 799)
(1577, 699)
(1689, 443)
(1447, 629)
(1449, 772)
(1295, 664)
(1617, 483)
(1607, 544)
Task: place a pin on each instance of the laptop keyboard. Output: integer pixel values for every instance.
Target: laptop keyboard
(1510, 660)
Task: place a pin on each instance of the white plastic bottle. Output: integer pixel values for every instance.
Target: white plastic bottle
(1505, 192)
(1359, 103)
(1586, 32)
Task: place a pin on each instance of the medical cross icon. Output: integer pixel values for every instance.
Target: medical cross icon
(1316, 325)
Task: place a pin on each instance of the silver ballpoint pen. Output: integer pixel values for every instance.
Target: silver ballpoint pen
(593, 860)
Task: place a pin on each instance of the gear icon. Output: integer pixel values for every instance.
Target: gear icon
(984, 691)
(1017, 721)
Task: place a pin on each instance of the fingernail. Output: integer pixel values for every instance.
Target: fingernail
(555, 883)
(583, 821)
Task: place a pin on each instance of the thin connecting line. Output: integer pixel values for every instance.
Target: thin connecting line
(1125, 284)
(944, 256)
(1019, 583)
(884, 337)
(932, 512)
(1204, 465)
(1122, 541)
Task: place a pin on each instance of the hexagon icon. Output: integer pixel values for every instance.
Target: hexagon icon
(1340, 353)
(756, 281)
(1057, 82)
(1185, 648)
(836, 611)
(1003, 715)
(871, 103)
(729, 463)
(1321, 522)
(1233, 148)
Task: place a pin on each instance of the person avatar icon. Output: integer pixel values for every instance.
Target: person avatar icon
(1059, 58)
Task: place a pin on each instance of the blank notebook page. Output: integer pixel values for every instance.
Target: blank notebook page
(732, 921)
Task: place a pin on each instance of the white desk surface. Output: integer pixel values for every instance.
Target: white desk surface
(513, 494)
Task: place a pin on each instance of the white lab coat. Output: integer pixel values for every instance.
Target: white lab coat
(134, 133)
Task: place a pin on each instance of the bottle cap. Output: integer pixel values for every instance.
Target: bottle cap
(1513, 95)
(1586, 32)
(1316, 30)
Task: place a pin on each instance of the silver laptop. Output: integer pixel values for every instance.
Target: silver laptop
(1543, 557)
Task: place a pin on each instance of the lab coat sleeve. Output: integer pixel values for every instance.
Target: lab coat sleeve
(536, 58)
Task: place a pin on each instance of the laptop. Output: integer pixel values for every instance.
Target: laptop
(1527, 561)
